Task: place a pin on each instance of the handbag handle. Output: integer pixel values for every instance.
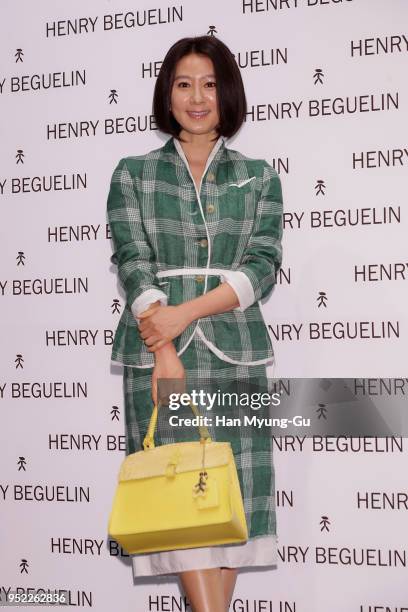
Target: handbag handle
(148, 441)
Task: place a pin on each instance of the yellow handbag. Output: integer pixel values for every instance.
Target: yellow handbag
(181, 495)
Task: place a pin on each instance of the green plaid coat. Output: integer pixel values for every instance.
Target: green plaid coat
(160, 223)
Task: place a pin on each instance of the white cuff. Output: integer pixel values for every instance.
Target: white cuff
(242, 287)
(148, 297)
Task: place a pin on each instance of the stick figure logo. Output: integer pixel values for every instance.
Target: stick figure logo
(322, 411)
(115, 306)
(21, 464)
(322, 299)
(318, 76)
(324, 523)
(20, 258)
(320, 187)
(113, 96)
(115, 413)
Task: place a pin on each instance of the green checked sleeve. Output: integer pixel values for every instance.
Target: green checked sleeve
(263, 254)
(133, 253)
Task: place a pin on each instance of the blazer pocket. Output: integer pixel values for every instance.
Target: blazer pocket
(244, 186)
(242, 200)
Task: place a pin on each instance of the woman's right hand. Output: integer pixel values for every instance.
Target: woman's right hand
(168, 365)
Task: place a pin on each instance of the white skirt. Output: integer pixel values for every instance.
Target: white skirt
(261, 550)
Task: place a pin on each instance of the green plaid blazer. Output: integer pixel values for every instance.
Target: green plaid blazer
(174, 242)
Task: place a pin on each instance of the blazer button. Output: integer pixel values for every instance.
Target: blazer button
(210, 208)
(210, 176)
(204, 242)
(200, 278)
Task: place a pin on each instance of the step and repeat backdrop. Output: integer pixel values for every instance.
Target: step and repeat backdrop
(327, 91)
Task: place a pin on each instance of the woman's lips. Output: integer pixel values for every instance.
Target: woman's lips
(197, 114)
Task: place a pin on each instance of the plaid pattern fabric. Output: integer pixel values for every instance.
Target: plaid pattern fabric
(156, 224)
(252, 449)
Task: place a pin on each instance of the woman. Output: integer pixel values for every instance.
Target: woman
(197, 232)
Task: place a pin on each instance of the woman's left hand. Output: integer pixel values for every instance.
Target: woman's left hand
(160, 324)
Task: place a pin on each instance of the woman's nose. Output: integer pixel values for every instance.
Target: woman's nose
(197, 93)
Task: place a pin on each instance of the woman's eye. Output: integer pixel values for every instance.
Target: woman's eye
(184, 84)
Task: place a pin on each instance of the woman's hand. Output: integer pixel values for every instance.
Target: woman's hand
(160, 324)
(168, 365)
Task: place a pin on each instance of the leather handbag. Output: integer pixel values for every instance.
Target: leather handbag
(175, 496)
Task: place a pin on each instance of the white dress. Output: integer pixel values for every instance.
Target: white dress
(261, 550)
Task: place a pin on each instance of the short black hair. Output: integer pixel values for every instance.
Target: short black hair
(232, 106)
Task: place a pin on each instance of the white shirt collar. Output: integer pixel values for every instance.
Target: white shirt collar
(211, 156)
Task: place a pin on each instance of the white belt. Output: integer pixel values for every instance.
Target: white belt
(224, 273)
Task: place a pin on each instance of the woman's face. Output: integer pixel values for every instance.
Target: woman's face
(194, 95)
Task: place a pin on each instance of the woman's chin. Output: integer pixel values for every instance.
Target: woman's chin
(196, 128)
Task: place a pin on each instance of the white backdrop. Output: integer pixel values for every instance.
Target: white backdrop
(327, 106)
